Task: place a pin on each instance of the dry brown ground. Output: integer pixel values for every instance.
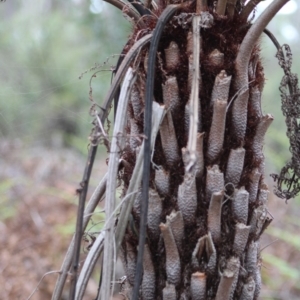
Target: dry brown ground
(37, 188)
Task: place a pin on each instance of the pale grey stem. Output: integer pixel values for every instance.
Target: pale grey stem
(251, 258)
(194, 97)
(169, 140)
(148, 282)
(254, 183)
(214, 215)
(162, 181)
(261, 130)
(89, 265)
(240, 238)
(173, 267)
(240, 205)
(187, 198)
(244, 53)
(235, 166)
(239, 114)
(214, 181)
(154, 212)
(90, 207)
(221, 87)
(172, 55)
(248, 289)
(117, 145)
(226, 285)
(169, 292)
(217, 130)
(221, 7)
(248, 8)
(231, 8)
(216, 58)
(171, 94)
(175, 220)
(157, 116)
(198, 286)
(255, 102)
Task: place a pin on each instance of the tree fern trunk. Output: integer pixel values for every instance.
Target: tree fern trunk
(194, 201)
(207, 197)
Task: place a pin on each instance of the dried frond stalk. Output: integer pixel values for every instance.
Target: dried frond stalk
(169, 292)
(173, 267)
(248, 289)
(175, 220)
(261, 130)
(198, 286)
(240, 238)
(214, 181)
(168, 140)
(217, 130)
(235, 166)
(240, 205)
(214, 215)
(221, 87)
(253, 187)
(154, 212)
(187, 198)
(226, 286)
(148, 282)
(239, 114)
(255, 102)
(251, 258)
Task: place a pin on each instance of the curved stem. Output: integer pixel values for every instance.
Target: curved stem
(130, 11)
(243, 57)
(163, 19)
(250, 6)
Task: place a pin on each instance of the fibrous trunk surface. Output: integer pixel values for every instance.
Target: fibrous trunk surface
(207, 198)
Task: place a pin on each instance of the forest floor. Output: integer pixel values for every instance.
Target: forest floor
(38, 213)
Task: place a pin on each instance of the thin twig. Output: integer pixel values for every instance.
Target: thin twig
(117, 145)
(36, 288)
(92, 204)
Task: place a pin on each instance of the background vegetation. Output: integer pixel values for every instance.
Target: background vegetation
(44, 126)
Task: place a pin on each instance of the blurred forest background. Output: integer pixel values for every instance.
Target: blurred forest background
(45, 46)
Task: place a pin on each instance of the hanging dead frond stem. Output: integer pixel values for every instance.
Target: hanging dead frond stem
(161, 22)
(117, 145)
(243, 57)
